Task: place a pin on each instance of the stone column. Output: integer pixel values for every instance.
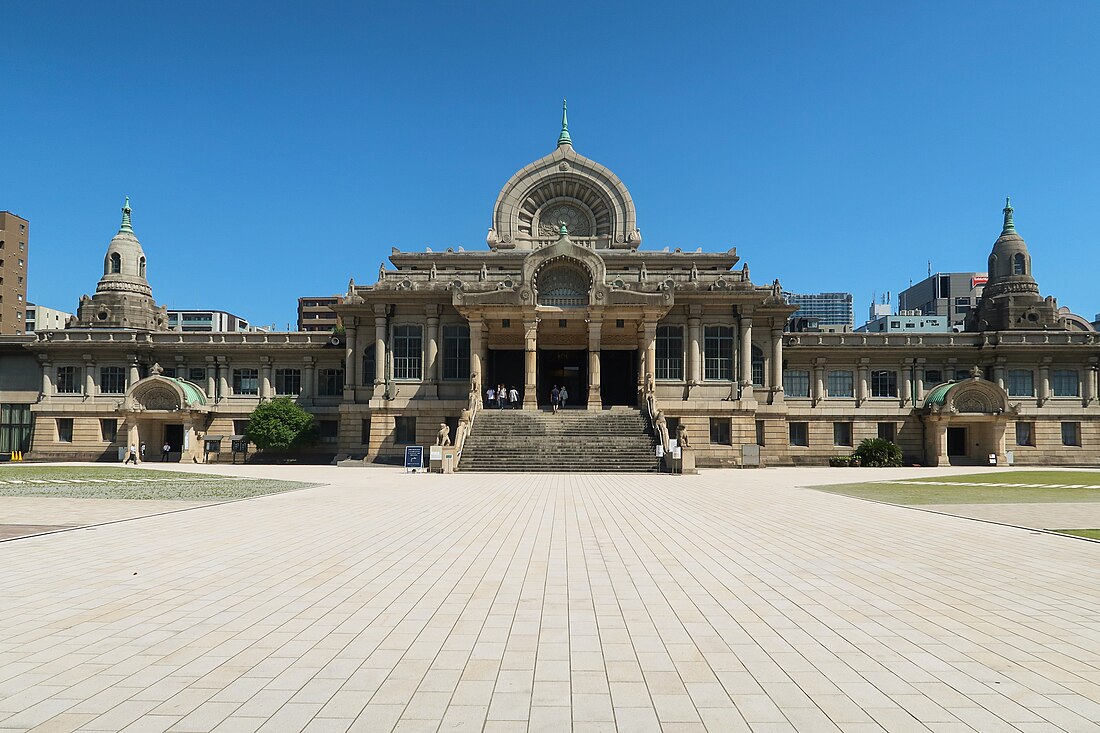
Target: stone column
(265, 377)
(819, 380)
(223, 378)
(530, 363)
(211, 370)
(47, 380)
(133, 374)
(649, 335)
(1044, 381)
(132, 437)
(89, 377)
(745, 349)
(379, 345)
(1091, 385)
(351, 357)
(483, 350)
(777, 363)
(999, 372)
(595, 328)
(309, 386)
(906, 382)
(861, 385)
(694, 373)
(431, 352)
(918, 374)
(477, 371)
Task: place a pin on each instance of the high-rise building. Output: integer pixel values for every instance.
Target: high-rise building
(41, 318)
(951, 294)
(316, 314)
(14, 251)
(199, 320)
(830, 309)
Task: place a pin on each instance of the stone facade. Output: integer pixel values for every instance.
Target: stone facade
(563, 294)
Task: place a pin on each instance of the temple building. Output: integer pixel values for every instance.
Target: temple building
(651, 345)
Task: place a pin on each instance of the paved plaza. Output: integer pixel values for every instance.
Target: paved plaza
(729, 601)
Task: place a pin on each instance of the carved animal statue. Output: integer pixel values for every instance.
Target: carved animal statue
(682, 437)
(444, 437)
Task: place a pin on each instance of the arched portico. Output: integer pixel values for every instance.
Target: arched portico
(158, 410)
(965, 422)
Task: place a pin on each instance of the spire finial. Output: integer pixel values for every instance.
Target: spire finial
(126, 218)
(1009, 226)
(563, 138)
(563, 229)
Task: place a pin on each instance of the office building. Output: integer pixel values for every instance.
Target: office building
(829, 309)
(14, 256)
(950, 294)
(316, 313)
(41, 318)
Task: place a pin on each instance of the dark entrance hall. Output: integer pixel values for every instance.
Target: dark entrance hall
(569, 368)
(619, 377)
(505, 367)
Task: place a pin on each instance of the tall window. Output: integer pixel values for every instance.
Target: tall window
(1071, 433)
(796, 383)
(15, 428)
(116, 263)
(364, 431)
(932, 377)
(840, 383)
(799, 433)
(757, 366)
(141, 266)
(1025, 433)
(456, 352)
(760, 432)
(330, 382)
(718, 353)
(108, 430)
(404, 430)
(65, 429)
(887, 431)
(670, 352)
(288, 381)
(196, 374)
(1018, 264)
(369, 365)
(884, 383)
(1064, 383)
(246, 381)
(68, 380)
(112, 380)
(842, 433)
(720, 430)
(328, 430)
(1020, 383)
(408, 354)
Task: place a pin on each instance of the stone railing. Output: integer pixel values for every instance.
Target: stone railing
(653, 414)
(965, 339)
(466, 421)
(198, 338)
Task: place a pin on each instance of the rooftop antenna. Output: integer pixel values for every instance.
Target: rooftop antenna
(929, 268)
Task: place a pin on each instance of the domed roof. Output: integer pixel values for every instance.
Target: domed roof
(564, 187)
(1010, 261)
(124, 264)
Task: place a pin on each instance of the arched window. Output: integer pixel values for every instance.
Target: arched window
(1019, 267)
(757, 366)
(562, 285)
(116, 263)
(141, 266)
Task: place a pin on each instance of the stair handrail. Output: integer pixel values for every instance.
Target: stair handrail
(466, 419)
(653, 413)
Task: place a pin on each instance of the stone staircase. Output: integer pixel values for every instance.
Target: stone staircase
(574, 441)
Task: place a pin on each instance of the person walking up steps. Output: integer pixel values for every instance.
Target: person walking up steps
(513, 397)
(554, 399)
(563, 396)
(502, 396)
(490, 395)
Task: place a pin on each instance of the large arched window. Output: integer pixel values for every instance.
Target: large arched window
(116, 263)
(1019, 266)
(141, 266)
(563, 285)
(757, 366)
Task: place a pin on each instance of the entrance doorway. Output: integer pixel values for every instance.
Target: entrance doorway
(619, 377)
(569, 368)
(173, 436)
(506, 367)
(956, 442)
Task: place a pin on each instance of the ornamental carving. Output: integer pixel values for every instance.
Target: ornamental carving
(562, 285)
(158, 398)
(974, 402)
(575, 220)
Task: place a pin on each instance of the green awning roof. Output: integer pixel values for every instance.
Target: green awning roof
(938, 395)
(192, 392)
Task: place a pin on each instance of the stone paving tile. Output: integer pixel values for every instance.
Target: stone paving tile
(729, 601)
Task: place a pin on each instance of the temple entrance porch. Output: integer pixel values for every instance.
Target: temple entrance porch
(568, 367)
(619, 377)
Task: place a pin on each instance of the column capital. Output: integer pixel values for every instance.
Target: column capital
(432, 310)
(381, 309)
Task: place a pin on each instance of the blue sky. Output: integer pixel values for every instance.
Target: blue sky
(274, 150)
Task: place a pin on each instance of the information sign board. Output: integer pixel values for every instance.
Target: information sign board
(414, 458)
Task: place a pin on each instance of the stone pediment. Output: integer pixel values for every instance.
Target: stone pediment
(157, 393)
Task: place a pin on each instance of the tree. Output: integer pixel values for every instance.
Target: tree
(280, 425)
(877, 453)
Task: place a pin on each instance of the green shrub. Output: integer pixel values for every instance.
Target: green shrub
(280, 425)
(839, 461)
(878, 452)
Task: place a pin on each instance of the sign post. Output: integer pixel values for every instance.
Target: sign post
(414, 459)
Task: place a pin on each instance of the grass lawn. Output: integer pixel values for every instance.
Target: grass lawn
(116, 482)
(1092, 534)
(954, 489)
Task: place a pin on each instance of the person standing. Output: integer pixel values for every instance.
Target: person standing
(563, 396)
(502, 396)
(554, 393)
(513, 397)
(165, 450)
(490, 395)
(141, 451)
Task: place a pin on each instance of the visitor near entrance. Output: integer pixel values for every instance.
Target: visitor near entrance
(490, 395)
(513, 397)
(142, 451)
(554, 395)
(563, 395)
(131, 455)
(502, 396)
(165, 450)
